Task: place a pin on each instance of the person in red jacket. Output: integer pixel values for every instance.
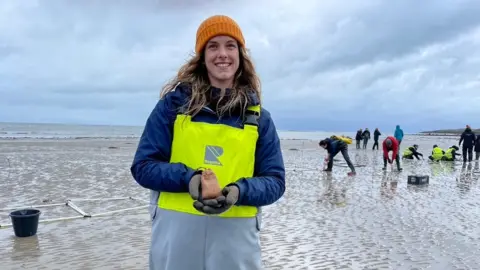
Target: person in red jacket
(391, 144)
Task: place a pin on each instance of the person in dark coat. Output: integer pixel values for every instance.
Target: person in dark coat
(334, 146)
(358, 138)
(366, 137)
(376, 136)
(468, 139)
(477, 148)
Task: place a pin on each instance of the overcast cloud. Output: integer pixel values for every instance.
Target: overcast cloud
(324, 65)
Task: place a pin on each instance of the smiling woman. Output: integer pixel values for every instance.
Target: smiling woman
(222, 60)
(210, 154)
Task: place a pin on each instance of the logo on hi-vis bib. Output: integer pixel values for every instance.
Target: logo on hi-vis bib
(212, 153)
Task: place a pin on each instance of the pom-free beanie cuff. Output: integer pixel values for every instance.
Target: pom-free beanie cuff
(217, 25)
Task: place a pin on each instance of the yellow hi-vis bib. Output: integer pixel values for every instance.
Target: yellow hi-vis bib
(407, 152)
(228, 151)
(437, 153)
(448, 153)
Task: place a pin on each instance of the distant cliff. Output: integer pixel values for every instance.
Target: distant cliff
(450, 131)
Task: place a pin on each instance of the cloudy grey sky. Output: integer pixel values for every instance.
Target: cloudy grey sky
(324, 65)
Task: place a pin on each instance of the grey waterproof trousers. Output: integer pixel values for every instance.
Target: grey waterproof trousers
(182, 241)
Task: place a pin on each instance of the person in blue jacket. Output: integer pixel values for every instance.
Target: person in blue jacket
(210, 117)
(398, 134)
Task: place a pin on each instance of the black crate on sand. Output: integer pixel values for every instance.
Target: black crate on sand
(418, 179)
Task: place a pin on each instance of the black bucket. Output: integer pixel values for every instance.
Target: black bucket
(25, 222)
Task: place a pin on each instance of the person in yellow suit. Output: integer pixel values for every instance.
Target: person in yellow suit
(210, 116)
(411, 152)
(451, 153)
(437, 154)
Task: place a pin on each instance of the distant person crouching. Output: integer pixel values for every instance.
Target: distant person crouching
(437, 153)
(391, 144)
(411, 152)
(451, 153)
(334, 146)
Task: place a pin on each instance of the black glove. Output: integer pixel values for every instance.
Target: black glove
(390, 161)
(195, 186)
(231, 194)
(206, 206)
(220, 204)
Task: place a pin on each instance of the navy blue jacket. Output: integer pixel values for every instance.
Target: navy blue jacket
(477, 144)
(376, 135)
(468, 138)
(333, 146)
(152, 170)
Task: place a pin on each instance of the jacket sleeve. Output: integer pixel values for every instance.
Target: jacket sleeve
(395, 151)
(332, 147)
(461, 138)
(268, 183)
(151, 168)
(385, 151)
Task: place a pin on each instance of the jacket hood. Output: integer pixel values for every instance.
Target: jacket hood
(397, 127)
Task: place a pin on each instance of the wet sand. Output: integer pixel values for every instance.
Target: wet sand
(324, 221)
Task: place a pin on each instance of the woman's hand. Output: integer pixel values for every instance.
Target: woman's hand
(222, 203)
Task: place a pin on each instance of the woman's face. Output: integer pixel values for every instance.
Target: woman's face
(222, 60)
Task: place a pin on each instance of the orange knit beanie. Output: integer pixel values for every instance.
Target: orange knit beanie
(217, 25)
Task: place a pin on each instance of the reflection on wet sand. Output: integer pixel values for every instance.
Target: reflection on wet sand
(389, 185)
(28, 247)
(466, 178)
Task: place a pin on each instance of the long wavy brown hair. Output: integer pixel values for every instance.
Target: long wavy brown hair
(194, 73)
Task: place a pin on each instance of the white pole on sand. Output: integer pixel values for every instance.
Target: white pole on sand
(31, 206)
(45, 221)
(71, 200)
(100, 199)
(140, 200)
(76, 208)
